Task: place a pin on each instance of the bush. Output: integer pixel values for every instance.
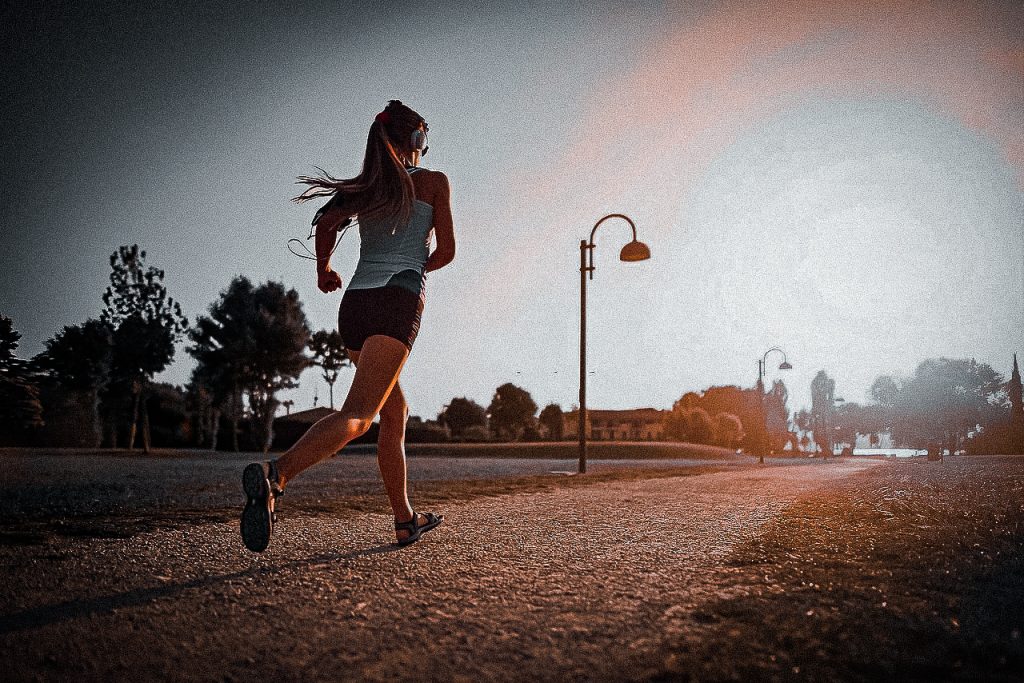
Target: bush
(426, 433)
(476, 433)
(729, 430)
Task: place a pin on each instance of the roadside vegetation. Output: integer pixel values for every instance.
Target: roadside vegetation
(93, 386)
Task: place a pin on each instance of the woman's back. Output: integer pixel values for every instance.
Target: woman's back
(386, 249)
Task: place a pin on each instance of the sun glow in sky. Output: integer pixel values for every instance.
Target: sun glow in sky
(843, 180)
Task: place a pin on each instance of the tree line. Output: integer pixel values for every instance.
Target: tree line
(250, 345)
(957, 404)
(95, 380)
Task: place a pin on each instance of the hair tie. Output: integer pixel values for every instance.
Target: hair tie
(384, 117)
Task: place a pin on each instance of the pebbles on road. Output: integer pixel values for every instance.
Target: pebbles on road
(554, 585)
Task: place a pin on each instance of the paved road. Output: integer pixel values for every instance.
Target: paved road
(40, 485)
(558, 585)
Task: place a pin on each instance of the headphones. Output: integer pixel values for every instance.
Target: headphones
(419, 141)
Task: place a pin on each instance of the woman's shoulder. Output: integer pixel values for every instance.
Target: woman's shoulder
(432, 175)
(433, 182)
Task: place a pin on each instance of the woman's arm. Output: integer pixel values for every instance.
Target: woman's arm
(326, 237)
(444, 230)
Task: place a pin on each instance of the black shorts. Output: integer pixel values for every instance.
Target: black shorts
(391, 310)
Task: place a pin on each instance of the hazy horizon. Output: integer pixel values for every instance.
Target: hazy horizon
(842, 182)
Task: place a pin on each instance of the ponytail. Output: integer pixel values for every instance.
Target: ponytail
(383, 190)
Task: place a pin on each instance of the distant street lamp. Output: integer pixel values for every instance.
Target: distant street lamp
(760, 393)
(633, 251)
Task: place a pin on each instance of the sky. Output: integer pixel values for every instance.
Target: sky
(844, 181)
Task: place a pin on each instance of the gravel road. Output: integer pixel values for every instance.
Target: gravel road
(569, 584)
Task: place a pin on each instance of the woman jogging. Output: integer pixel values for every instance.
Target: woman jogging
(398, 206)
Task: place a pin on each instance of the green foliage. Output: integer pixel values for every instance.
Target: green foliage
(476, 433)
(553, 420)
(20, 407)
(9, 340)
(690, 425)
(823, 390)
(168, 411)
(745, 404)
(461, 414)
(511, 411)
(947, 396)
(80, 357)
(137, 307)
(146, 323)
(885, 390)
(728, 430)
(329, 355)
(999, 438)
(731, 417)
(701, 426)
(946, 399)
(253, 340)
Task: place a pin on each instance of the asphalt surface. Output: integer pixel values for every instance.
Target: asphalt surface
(43, 485)
(567, 584)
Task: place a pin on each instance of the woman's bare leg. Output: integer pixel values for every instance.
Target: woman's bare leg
(394, 415)
(381, 360)
(391, 453)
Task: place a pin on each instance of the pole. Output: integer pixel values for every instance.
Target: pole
(763, 445)
(583, 357)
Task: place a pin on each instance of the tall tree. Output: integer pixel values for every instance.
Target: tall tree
(20, 408)
(885, 390)
(553, 419)
(462, 413)
(823, 389)
(511, 411)
(329, 355)
(281, 331)
(146, 323)
(211, 389)
(221, 344)
(253, 341)
(777, 416)
(746, 404)
(1015, 392)
(79, 357)
(945, 399)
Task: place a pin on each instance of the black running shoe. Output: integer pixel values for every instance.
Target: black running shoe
(258, 516)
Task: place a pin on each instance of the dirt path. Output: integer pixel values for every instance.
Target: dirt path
(566, 584)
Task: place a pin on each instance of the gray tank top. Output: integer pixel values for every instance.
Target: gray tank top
(395, 255)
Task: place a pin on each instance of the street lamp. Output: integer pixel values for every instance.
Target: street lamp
(633, 251)
(760, 392)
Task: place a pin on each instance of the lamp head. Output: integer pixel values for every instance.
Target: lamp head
(635, 251)
(785, 365)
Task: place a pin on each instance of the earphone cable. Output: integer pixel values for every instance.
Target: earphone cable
(312, 234)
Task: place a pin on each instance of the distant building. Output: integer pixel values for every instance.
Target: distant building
(636, 424)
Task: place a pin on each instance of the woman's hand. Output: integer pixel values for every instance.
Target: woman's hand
(327, 280)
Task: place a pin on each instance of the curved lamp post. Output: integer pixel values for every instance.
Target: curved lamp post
(633, 251)
(760, 391)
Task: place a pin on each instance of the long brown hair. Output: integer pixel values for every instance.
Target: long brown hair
(383, 189)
